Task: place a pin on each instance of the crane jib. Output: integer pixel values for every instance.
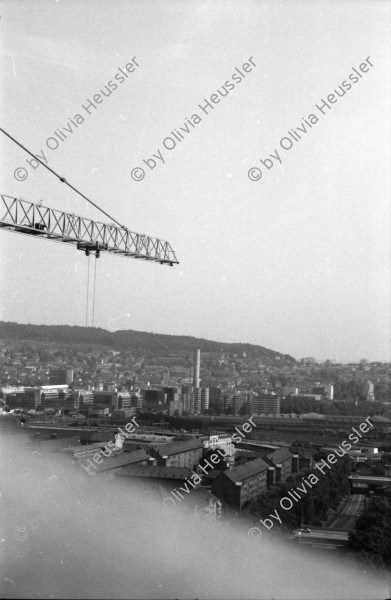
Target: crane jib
(91, 236)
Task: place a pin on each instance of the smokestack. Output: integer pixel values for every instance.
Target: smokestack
(295, 463)
(196, 369)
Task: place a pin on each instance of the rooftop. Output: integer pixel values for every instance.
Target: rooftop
(279, 456)
(120, 460)
(246, 471)
(152, 472)
(178, 447)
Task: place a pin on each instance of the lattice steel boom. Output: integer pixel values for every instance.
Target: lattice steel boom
(91, 236)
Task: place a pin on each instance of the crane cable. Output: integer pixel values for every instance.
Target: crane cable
(94, 290)
(63, 180)
(88, 287)
(93, 297)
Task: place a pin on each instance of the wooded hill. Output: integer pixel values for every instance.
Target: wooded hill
(140, 341)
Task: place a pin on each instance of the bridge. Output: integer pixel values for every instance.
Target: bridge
(330, 538)
(364, 484)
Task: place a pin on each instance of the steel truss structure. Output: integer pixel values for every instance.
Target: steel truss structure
(90, 236)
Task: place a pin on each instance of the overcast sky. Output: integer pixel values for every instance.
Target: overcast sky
(297, 261)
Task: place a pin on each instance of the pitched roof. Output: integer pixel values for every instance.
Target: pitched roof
(249, 455)
(279, 456)
(246, 471)
(178, 447)
(85, 450)
(180, 473)
(211, 474)
(120, 460)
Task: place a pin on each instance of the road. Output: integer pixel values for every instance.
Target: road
(337, 529)
(348, 513)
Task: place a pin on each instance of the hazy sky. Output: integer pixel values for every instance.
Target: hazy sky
(297, 261)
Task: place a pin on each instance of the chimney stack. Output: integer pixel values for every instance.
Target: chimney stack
(196, 369)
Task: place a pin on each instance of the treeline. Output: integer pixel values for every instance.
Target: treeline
(147, 418)
(64, 334)
(291, 405)
(312, 509)
(140, 341)
(372, 535)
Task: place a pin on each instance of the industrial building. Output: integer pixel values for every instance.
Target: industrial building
(281, 460)
(241, 484)
(180, 454)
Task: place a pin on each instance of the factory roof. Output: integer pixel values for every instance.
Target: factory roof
(249, 455)
(120, 460)
(246, 471)
(279, 456)
(152, 472)
(178, 447)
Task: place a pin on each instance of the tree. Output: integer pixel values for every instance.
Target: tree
(378, 470)
(325, 494)
(372, 535)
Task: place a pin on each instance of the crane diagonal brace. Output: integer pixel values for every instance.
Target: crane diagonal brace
(91, 236)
